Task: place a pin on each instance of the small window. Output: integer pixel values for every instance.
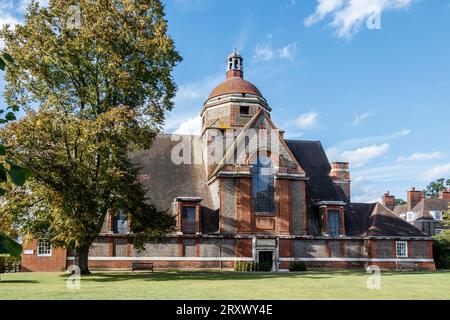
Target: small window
(44, 249)
(439, 231)
(188, 220)
(410, 216)
(437, 215)
(244, 110)
(402, 249)
(121, 223)
(333, 224)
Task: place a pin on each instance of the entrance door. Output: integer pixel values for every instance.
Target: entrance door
(266, 257)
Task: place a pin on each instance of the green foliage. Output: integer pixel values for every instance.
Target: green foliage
(400, 202)
(9, 246)
(102, 89)
(253, 267)
(9, 170)
(437, 186)
(297, 266)
(441, 250)
(9, 263)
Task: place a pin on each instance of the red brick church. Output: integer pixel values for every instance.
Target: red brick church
(240, 192)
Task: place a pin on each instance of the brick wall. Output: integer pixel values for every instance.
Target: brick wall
(32, 262)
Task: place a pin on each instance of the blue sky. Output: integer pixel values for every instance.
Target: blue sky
(377, 97)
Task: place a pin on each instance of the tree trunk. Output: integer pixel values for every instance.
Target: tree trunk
(81, 260)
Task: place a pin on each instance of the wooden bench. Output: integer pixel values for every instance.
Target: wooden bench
(407, 266)
(141, 266)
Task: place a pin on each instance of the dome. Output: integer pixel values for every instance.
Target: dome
(235, 85)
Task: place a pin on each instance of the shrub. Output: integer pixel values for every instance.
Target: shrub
(251, 266)
(297, 266)
(444, 261)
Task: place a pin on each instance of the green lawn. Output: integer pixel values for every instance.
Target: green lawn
(228, 285)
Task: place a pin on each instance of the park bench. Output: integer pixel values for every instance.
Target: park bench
(141, 266)
(407, 266)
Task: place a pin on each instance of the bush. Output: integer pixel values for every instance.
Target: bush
(8, 263)
(251, 266)
(444, 261)
(441, 250)
(297, 266)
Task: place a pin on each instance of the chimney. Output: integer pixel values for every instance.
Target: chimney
(414, 197)
(389, 201)
(445, 195)
(340, 174)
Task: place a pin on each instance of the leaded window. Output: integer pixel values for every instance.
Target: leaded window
(188, 219)
(263, 185)
(121, 223)
(402, 249)
(333, 223)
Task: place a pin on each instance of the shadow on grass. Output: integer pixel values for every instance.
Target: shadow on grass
(233, 276)
(18, 281)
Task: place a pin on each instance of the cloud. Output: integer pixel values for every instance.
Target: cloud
(360, 118)
(360, 156)
(358, 142)
(437, 172)
(350, 15)
(289, 4)
(266, 52)
(421, 156)
(198, 90)
(189, 126)
(308, 120)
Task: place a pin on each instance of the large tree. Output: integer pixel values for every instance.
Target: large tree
(98, 76)
(435, 187)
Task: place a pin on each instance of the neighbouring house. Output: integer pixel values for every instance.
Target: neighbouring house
(240, 192)
(424, 213)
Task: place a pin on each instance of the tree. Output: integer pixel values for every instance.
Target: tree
(435, 187)
(400, 202)
(9, 169)
(99, 75)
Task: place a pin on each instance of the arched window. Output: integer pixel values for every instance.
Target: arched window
(263, 185)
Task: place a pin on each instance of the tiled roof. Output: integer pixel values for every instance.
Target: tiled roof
(235, 85)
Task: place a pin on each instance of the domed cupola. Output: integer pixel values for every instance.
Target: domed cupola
(235, 101)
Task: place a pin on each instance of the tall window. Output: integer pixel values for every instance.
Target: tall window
(44, 248)
(333, 223)
(402, 249)
(121, 223)
(263, 185)
(188, 221)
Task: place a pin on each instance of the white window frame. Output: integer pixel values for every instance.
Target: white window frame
(438, 231)
(401, 248)
(410, 214)
(47, 249)
(433, 213)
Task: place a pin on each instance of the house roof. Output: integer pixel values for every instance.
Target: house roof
(313, 160)
(426, 205)
(384, 222)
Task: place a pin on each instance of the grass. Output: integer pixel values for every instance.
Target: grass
(228, 285)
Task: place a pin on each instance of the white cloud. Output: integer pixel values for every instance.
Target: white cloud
(360, 118)
(198, 90)
(265, 51)
(360, 156)
(437, 172)
(189, 126)
(308, 120)
(419, 156)
(350, 15)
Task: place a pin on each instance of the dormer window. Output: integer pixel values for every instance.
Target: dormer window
(120, 224)
(188, 221)
(437, 215)
(410, 216)
(333, 223)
